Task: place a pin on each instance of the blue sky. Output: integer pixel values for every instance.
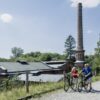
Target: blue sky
(44, 25)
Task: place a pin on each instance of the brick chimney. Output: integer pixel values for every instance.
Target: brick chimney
(79, 49)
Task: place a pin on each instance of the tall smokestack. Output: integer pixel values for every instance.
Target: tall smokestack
(80, 50)
(80, 28)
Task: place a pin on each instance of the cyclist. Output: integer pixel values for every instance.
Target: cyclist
(87, 71)
(74, 72)
(75, 75)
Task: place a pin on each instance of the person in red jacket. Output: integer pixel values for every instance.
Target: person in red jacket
(74, 76)
(74, 72)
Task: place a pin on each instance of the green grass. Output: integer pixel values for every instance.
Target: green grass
(16, 93)
(34, 89)
(96, 78)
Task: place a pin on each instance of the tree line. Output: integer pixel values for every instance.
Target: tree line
(69, 53)
(37, 56)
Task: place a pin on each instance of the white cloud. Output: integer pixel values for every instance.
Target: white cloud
(86, 3)
(89, 31)
(6, 18)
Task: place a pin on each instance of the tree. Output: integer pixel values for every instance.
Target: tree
(46, 57)
(97, 50)
(17, 51)
(89, 59)
(97, 56)
(70, 44)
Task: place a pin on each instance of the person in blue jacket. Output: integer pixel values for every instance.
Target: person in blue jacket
(87, 71)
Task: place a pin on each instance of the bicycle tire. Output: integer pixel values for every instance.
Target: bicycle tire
(66, 84)
(87, 87)
(74, 85)
(80, 86)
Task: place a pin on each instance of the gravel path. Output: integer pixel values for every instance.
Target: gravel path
(70, 95)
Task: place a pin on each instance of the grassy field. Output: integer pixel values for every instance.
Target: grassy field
(34, 89)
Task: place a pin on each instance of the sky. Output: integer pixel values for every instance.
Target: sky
(44, 25)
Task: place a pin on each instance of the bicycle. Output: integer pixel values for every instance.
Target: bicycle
(84, 83)
(69, 82)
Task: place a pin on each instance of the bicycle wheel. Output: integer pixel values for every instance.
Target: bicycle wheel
(87, 87)
(80, 86)
(74, 83)
(66, 84)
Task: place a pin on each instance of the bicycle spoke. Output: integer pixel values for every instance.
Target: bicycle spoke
(66, 85)
(80, 86)
(74, 84)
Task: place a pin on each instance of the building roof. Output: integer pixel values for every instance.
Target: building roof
(42, 77)
(18, 67)
(79, 61)
(55, 64)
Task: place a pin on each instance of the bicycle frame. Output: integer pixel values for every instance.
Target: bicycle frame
(68, 82)
(83, 84)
